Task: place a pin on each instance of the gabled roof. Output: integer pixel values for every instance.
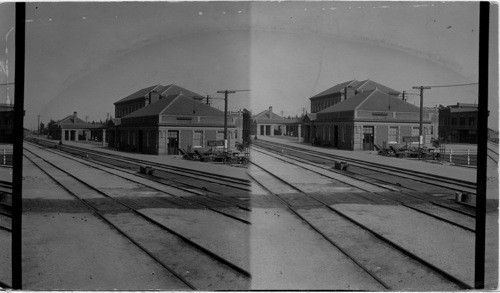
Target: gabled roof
(268, 117)
(70, 123)
(184, 105)
(375, 100)
(70, 120)
(138, 94)
(360, 86)
(170, 89)
(336, 88)
(370, 85)
(175, 90)
(178, 105)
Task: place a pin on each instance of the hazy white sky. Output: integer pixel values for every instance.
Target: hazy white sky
(85, 56)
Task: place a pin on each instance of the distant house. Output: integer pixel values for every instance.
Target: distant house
(6, 123)
(356, 115)
(72, 128)
(268, 123)
(163, 119)
(458, 123)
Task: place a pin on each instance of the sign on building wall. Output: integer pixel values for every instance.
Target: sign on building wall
(215, 143)
(411, 139)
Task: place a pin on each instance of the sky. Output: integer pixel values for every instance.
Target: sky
(85, 56)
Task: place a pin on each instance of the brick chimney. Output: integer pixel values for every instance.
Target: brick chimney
(74, 117)
(349, 92)
(270, 111)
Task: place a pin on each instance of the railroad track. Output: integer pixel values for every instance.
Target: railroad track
(493, 151)
(234, 275)
(439, 181)
(410, 198)
(204, 197)
(380, 251)
(222, 180)
(5, 219)
(6, 206)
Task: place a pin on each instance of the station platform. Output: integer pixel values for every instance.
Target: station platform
(451, 171)
(172, 160)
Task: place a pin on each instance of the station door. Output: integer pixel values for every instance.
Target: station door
(368, 138)
(173, 142)
(336, 136)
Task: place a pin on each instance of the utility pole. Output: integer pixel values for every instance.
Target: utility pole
(208, 100)
(38, 124)
(226, 92)
(420, 130)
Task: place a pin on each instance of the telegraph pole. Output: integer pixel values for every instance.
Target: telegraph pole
(226, 93)
(420, 130)
(38, 124)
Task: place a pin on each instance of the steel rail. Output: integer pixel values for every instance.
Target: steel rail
(376, 193)
(414, 175)
(444, 274)
(162, 191)
(219, 177)
(369, 272)
(221, 180)
(6, 229)
(201, 248)
(494, 149)
(102, 217)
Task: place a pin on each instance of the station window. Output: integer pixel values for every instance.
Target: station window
(220, 135)
(472, 121)
(198, 139)
(393, 134)
(415, 131)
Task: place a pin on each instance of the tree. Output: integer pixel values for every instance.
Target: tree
(51, 127)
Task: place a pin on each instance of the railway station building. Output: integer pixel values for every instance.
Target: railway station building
(458, 123)
(160, 120)
(268, 123)
(72, 128)
(356, 115)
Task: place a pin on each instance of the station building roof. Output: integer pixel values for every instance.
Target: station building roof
(170, 89)
(373, 100)
(360, 86)
(268, 117)
(176, 105)
(73, 122)
(463, 107)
